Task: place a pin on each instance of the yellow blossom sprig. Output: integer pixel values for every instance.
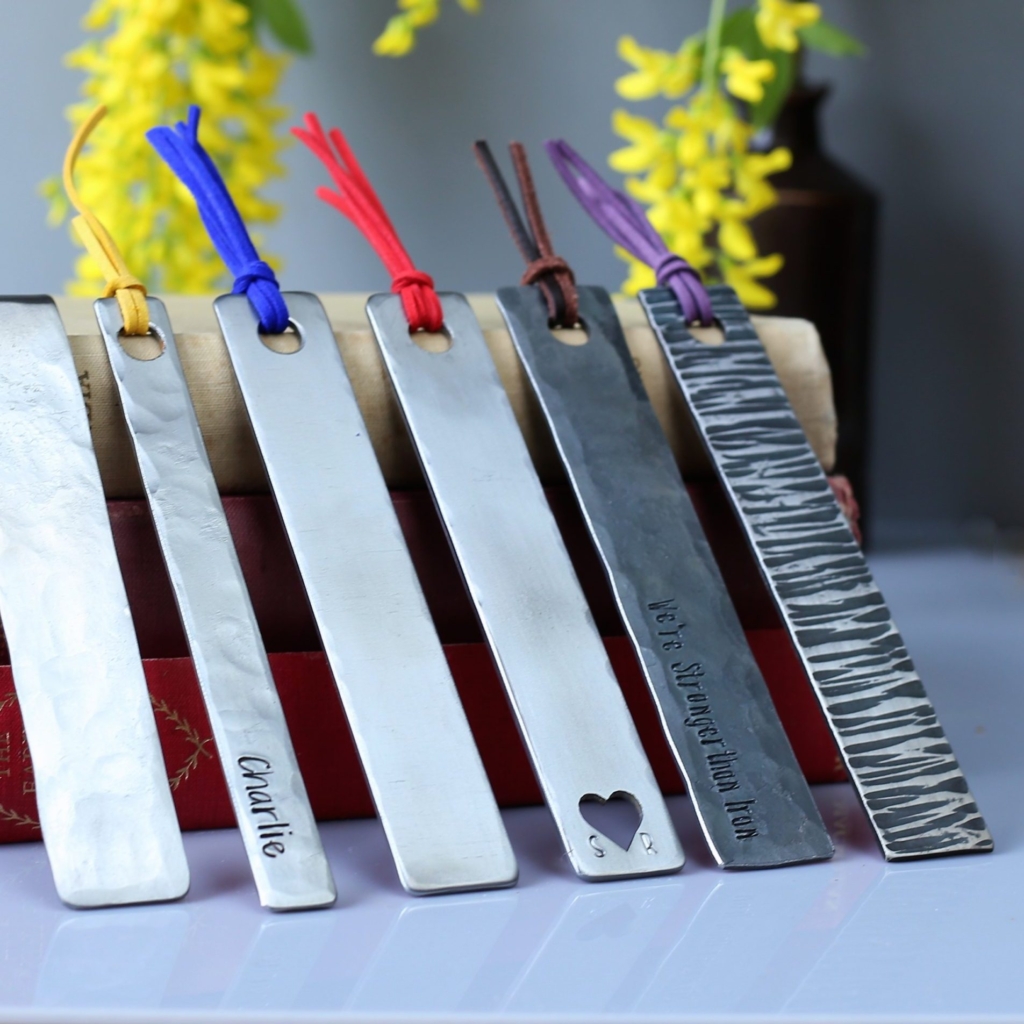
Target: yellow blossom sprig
(746, 78)
(779, 21)
(399, 35)
(695, 171)
(148, 62)
(657, 71)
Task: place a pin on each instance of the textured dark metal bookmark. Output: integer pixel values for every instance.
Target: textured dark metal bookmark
(577, 728)
(749, 793)
(886, 727)
(421, 763)
(104, 803)
(260, 767)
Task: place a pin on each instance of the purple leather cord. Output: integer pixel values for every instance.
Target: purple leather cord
(624, 221)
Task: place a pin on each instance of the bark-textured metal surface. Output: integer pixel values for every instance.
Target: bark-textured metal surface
(421, 763)
(105, 806)
(549, 655)
(262, 774)
(886, 727)
(751, 798)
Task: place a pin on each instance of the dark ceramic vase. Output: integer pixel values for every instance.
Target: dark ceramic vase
(824, 226)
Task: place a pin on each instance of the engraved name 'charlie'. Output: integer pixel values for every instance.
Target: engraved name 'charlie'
(688, 676)
(257, 772)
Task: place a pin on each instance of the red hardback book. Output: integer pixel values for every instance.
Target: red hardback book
(319, 730)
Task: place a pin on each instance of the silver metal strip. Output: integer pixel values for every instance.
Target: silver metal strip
(886, 727)
(249, 728)
(105, 806)
(422, 766)
(571, 713)
(751, 798)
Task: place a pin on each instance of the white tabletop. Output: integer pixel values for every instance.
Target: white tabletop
(853, 938)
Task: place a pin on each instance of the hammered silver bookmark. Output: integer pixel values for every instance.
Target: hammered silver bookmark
(262, 774)
(421, 763)
(571, 713)
(751, 798)
(105, 805)
(884, 724)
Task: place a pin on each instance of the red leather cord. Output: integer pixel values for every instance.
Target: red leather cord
(356, 199)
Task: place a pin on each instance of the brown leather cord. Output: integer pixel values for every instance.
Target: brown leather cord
(548, 271)
(544, 266)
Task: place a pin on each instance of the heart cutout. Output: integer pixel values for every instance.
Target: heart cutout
(616, 817)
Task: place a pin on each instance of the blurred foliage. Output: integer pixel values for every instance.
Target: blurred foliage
(148, 60)
(399, 35)
(699, 171)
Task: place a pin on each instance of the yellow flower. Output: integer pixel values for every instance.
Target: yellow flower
(744, 78)
(399, 35)
(651, 150)
(778, 22)
(676, 220)
(695, 175)
(421, 12)
(706, 182)
(397, 39)
(693, 127)
(734, 236)
(638, 276)
(732, 134)
(751, 172)
(657, 71)
(157, 57)
(743, 278)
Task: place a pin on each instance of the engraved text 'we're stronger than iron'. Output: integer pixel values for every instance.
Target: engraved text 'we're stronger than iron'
(689, 676)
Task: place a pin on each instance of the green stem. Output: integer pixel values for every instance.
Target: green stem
(713, 45)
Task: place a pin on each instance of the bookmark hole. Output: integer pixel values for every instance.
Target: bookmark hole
(711, 336)
(432, 341)
(284, 344)
(574, 336)
(143, 347)
(616, 817)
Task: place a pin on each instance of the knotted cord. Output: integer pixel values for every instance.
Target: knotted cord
(544, 268)
(356, 199)
(182, 152)
(129, 291)
(624, 221)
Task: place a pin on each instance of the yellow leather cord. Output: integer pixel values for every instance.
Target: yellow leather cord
(121, 283)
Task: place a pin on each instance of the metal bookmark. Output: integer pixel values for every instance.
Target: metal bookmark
(421, 763)
(249, 728)
(105, 806)
(570, 710)
(886, 727)
(750, 795)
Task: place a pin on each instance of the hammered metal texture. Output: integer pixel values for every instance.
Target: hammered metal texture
(101, 786)
(750, 795)
(571, 713)
(421, 763)
(886, 727)
(249, 728)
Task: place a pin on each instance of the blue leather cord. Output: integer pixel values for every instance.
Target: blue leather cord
(180, 149)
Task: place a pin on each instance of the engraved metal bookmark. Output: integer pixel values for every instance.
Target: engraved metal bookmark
(249, 728)
(570, 710)
(750, 795)
(886, 727)
(105, 806)
(422, 766)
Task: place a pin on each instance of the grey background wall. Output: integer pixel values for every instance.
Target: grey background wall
(933, 119)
